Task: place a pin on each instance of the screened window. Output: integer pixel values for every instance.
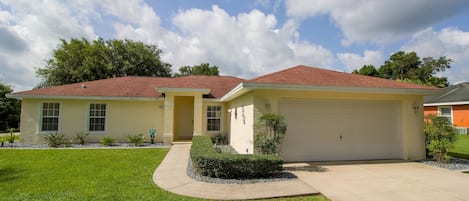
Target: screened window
(213, 117)
(50, 116)
(446, 112)
(97, 122)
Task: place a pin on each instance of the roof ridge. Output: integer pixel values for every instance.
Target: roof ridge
(280, 71)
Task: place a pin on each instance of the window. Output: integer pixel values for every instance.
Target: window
(213, 117)
(97, 121)
(50, 116)
(447, 112)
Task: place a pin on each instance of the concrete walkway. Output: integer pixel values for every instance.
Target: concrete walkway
(171, 175)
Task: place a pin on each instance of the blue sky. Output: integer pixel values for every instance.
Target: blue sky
(244, 38)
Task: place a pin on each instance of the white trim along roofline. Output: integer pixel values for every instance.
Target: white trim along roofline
(246, 87)
(447, 103)
(21, 96)
(174, 89)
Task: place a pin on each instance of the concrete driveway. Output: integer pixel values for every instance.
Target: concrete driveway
(383, 181)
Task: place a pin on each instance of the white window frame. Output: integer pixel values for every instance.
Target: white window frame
(88, 123)
(441, 115)
(41, 118)
(220, 117)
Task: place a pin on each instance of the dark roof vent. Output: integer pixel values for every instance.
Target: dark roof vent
(83, 86)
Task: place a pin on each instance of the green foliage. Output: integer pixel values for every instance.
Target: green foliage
(54, 139)
(270, 130)
(201, 69)
(79, 60)
(220, 139)
(81, 136)
(10, 109)
(108, 141)
(439, 137)
(137, 139)
(369, 70)
(408, 67)
(152, 132)
(206, 161)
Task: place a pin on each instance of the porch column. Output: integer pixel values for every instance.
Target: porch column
(168, 119)
(198, 114)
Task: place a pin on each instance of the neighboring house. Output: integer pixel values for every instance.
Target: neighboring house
(453, 103)
(330, 115)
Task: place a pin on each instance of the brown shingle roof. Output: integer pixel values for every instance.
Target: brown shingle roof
(139, 86)
(305, 75)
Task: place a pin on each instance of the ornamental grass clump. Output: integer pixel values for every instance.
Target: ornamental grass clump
(137, 139)
(108, 141)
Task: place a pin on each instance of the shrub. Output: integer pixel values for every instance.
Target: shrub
(269, 133)
(54, 139)
(152, 134)
(220, 139)
(136, 139)
(68, 143)
(206, 161)
(108, 141)
(81, 136)
(439, 137)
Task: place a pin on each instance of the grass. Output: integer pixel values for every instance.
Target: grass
(86, 174)
(461, 147)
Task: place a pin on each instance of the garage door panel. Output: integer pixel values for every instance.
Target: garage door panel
(340, 130)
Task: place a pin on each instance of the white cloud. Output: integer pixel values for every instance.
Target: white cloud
(354, 61)
(450, 42)
(377, 21)
(32, 30)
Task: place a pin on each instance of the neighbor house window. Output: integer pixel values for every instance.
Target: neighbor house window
(446, 111)
(50, 117)
(213, 117)
(97, 122)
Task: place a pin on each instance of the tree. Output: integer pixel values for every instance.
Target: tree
(439, 137)
(9, 109)
(408, 67)
(369, 70)
(201, 69)
(79, 60)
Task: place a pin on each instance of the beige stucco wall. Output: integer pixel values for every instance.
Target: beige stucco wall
(262, 101)
(241, 116)
(124, 118)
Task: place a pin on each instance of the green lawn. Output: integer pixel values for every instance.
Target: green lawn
(83, 174)
(461, 147)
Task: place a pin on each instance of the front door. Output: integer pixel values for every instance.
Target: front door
(183, 117)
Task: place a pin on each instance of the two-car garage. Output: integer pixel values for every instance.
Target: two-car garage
(325, 130)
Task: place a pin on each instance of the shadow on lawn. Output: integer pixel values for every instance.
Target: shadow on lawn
(9, 173)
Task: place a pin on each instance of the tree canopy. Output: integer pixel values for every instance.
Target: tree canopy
(409, 67)
(79, 60)
(9, 109)
(201, 69)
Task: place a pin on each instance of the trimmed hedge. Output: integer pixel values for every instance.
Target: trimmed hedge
(208, 162)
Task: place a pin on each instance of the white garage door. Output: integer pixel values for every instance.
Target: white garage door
(321, 130)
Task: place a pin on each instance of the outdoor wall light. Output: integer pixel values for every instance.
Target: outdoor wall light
(416, 107)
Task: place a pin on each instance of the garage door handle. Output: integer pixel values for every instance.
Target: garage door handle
(340, 137)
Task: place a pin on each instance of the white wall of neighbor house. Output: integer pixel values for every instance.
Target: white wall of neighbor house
(123, 118)
(241, 116)
(411, 119)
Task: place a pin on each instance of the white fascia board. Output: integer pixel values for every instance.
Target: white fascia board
(169, 89)
(212, 100)
(240, 89)
(447, 103)
(20, 96)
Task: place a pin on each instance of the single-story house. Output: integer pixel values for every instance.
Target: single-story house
(330, 115)
(453, 103)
